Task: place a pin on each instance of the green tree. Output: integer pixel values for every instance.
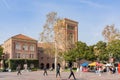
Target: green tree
(100, 50)
(70, 55)
(84, 52)
(81, 48)
(113, 49)
(76, 53)
(90, 53)
(80, 51)
(1, 51)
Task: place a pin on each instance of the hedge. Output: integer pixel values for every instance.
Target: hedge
(13, 63)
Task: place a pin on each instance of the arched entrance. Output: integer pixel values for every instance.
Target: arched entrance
(53, 65)
(41, 66)
(47, 66)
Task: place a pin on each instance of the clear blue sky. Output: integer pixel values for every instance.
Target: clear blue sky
(28, 16)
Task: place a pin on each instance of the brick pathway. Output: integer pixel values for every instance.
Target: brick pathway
(38, 75)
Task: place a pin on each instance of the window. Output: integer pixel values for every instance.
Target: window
(18, 55)
(71, 38)
(31, 55)
(25, 47)
(18, 46)
(32, 48)
(27, 56)
(23, 55)
(70, 27)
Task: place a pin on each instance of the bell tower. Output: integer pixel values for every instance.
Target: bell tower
(71, 30)
(66, 33)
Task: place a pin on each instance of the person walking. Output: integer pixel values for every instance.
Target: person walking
(45, 71)
(71, 74)
(58, 70)
(99, 70)
(119, 67)
(19, 70)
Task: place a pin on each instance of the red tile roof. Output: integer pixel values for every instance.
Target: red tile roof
(21, 36)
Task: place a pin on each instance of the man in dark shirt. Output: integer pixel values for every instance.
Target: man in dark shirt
(45, 71)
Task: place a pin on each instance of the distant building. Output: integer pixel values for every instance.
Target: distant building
(20, 47)
(45, 55)
(70, 30)
(66, 34)
(24, 47)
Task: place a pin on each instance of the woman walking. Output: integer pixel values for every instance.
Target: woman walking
(58, 70)
(45, 71)
(71, 74)
(19, 70)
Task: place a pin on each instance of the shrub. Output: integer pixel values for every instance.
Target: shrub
(13, 63)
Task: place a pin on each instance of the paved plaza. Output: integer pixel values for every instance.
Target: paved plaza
(38, 75)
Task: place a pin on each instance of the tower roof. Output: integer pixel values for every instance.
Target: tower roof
(66, 19)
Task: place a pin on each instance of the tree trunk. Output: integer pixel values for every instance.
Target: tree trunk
(56, 54)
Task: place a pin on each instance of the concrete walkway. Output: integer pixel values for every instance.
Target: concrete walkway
(38, 75)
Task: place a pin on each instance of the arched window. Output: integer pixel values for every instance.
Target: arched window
(32, 48)
(25, 47)
(71, 37)
(18, 46)
(18, 55)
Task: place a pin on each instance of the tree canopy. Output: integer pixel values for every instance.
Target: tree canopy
(1, 51)
(100, 50)
(114, 49)
(80, 51)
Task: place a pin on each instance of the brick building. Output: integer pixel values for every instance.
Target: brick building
(66, 35)
(46, 59)
(24, 47)
(20, 46)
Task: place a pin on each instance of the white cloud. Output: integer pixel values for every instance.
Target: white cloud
(94, 4)
(4, 3)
